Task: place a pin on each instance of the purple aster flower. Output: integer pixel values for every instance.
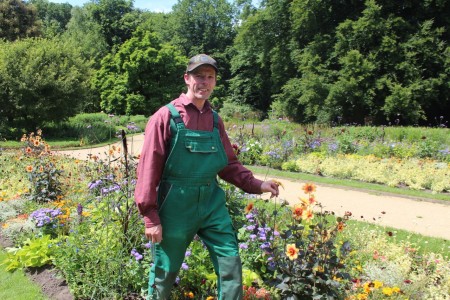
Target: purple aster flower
(265, 246)
(250, 227)
(185, 266)
(136, 255)
(95, 184)
(249, 216)
(80, 209)
(45, 216)
(243, 246)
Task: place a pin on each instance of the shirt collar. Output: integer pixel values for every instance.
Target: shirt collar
(187, 102)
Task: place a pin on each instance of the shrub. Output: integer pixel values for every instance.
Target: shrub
(231, 110)
(34, 253)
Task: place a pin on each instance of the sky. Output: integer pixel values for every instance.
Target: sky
(151, 5)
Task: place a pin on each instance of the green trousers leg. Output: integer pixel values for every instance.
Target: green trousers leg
(229, 284)
(181, 221)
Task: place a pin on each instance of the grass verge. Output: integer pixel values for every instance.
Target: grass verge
(359, 185)
(16, 285)
(422, 244)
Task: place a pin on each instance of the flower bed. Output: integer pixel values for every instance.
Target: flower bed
(87, 226)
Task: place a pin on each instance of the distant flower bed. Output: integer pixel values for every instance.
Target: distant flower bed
(415, 158)
(419, 174)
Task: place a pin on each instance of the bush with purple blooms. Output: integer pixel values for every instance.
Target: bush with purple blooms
(47, 220)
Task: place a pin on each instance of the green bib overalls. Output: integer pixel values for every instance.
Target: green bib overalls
(191, 202)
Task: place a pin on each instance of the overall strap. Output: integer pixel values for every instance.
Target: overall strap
(216, 119)
(176, 122)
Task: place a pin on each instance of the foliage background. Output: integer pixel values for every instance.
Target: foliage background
(329, 62)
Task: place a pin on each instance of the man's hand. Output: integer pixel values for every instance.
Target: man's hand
(270, 186)
(154, 234)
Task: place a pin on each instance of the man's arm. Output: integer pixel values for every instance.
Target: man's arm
(151, 166)
(235, 173)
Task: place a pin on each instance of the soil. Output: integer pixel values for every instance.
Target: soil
(427, 217)
(52, 285)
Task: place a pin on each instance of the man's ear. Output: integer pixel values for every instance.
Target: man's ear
(186, 77)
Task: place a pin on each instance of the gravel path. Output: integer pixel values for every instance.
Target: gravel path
(430, 218)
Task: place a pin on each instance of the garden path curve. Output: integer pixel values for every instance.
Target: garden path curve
(430, 218)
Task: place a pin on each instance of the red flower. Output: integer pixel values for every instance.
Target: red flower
(249, 207)
(309, 188)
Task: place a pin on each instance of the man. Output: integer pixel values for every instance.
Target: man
(184, 150)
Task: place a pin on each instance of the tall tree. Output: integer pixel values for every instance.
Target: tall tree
(203, 26)
(41, 81)
(18, 20)
(143, 75)
(262, 63)
(54, 16)
(116, 18)
(358, 60)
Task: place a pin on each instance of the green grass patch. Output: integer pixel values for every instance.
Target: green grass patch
(16, 285)
(421, 195)
(423, 244)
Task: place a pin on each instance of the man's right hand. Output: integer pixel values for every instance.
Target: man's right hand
(154, 234)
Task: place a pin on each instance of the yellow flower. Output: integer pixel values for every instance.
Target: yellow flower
(210, 298)
(319, 269)
(5, 225)
(278, 183)
(29, 169)
(308, 214)
(387, 291)
(190, 295)
(362, 296)
(292, 251)
(377, 284)
(396, 289)
(368, 286)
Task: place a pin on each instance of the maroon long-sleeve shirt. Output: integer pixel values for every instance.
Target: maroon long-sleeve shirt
(156, 150)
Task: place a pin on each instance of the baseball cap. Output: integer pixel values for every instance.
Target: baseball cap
(200, 60)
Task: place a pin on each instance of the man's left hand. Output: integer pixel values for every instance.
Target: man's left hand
(270, 186)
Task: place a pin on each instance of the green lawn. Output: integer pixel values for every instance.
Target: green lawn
(16, 285)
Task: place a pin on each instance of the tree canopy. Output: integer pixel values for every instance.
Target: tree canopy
(40, 81)
(322, 61)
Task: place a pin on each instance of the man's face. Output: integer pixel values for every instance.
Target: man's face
(200, 82)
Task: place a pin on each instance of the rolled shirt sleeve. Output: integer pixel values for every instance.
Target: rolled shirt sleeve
(151, 166)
